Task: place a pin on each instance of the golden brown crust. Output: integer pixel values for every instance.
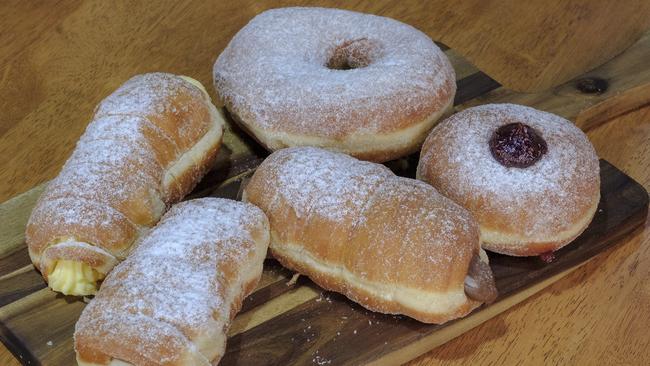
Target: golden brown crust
(527, 249)
(370, 300)
(405, 135)
(186, 181)
(391, 244)
(95, 257)
(45, 229)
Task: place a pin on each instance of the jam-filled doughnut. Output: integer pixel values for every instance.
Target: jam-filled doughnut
(530, 178)
(362, 84)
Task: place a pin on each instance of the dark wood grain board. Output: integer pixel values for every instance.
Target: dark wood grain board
(315, 330)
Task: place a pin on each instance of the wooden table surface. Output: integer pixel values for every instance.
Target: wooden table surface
(57, 61)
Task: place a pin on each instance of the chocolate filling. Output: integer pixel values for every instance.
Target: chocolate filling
(517, 145)
(479, 282)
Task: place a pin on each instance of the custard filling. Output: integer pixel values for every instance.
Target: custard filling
(194, 82)
(74, 278)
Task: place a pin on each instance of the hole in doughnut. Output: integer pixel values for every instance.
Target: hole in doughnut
(352, 54)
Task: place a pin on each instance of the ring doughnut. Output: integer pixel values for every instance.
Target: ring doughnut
(362, 84)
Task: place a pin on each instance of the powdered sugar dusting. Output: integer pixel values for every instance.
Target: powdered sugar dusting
(179, 274)
(456, 159)
(114, 176)
(273, 74)
(109, 164)
(83, 220)
(438, 234)
(390, 221)
(426, 238)
(334, 185)
(153, 95)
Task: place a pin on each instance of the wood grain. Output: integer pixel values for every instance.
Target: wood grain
(536, 45)
(317, 330)
(67, 315)
(58, 59)
(37, 325)
(627, 79)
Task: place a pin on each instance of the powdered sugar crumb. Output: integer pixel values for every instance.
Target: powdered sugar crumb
(319, 360)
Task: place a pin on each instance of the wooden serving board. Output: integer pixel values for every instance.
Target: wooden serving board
(282, 323)
(302, 324)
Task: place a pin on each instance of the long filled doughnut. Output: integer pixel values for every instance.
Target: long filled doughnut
(172, 300)
(147, 146)
(392, 244)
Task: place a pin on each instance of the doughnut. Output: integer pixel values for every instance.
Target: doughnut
(392, 244)
(147, 146)
(361, 84)
(172, 301)
(530, 178)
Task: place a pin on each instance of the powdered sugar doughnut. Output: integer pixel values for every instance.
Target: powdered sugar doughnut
(529, 177)
(362, 84)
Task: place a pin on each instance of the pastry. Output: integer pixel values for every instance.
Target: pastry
(362, 84)
(392, 244)
(146, 147)
(530, 178)
(172, 300)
